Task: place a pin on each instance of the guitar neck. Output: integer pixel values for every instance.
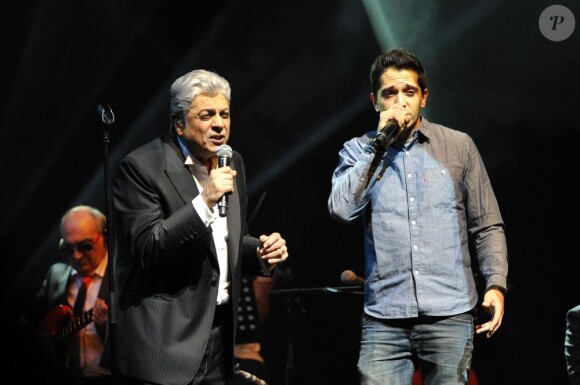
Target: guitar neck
(73, 326)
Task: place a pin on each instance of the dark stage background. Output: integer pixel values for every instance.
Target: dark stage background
(299, 73)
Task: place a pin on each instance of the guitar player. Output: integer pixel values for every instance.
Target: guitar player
(72, 337)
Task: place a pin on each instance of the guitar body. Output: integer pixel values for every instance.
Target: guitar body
(61, 324)
(56, 319)
(57, 327)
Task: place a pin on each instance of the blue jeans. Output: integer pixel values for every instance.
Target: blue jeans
(441, 346)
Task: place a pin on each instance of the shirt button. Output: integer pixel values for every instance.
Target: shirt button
(412, 199)
(416, 272)
(414, 247)
(413, 222)
(409, 175)
(214, 281)
(442, 172)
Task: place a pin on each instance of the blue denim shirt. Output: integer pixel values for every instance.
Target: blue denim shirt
(572, 344)
(422, 206)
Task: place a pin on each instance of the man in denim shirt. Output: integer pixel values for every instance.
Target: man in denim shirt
(424, 197)
(572, 344)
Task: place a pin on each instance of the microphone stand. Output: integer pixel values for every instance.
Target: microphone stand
(293, 308)
(107, 119)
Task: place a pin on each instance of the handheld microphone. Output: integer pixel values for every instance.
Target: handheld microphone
(350, 278)
(386, 134)
(224, 155)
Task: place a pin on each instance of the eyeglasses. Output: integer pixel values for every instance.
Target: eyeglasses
(83, 247)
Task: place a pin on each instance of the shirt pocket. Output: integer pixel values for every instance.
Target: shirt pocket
(438, 188)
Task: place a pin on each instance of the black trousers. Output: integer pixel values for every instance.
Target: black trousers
(212, 370)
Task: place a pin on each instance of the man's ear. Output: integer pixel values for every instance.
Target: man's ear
(424, 98)
(178, 124)
(374, 102)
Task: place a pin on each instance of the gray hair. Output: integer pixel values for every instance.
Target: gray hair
(187, 87)
(95, 213)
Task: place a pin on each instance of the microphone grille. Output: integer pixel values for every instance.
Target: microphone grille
(224, 151)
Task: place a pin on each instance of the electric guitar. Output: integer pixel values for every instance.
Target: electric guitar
(60, 324)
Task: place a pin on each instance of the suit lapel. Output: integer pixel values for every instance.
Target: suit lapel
(59, 286)
(104, 290)
(177, 171)
(180, 177)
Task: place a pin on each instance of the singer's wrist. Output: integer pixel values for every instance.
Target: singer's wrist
(206, 214)
(208, 202)
(209, 196)
(498, 288)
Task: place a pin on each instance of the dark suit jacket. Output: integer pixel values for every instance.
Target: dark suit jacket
(54, 289)
(166, 264)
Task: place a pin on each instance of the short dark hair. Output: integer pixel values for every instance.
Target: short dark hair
(398, 58)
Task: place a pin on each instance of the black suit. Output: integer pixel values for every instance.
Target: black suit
(167, 266)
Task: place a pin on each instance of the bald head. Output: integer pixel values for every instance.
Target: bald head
(86, 213)
(83, 242)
